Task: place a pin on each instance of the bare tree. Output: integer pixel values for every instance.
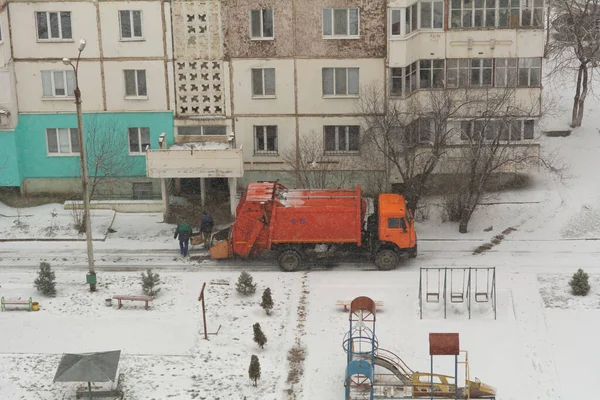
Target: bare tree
(575, 45)
(497, 136)
(107, 147)
(411, 137)
(314, 167)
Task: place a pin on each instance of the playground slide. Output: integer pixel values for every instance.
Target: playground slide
(394, 368)
(444, 388)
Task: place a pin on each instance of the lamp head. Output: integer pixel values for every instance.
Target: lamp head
(66, 61)
(81, 45)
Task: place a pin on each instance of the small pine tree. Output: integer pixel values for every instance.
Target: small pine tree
(45, 282)
(150, 282)
(579, 283)
(245, 284)
(254, 370)
(259, 336)
(267, 301)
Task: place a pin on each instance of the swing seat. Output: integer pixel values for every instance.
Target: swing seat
(482, 297)
(433, 297)
(457, 297)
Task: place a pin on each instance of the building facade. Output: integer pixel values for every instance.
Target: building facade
(267, 78)
(125, 77)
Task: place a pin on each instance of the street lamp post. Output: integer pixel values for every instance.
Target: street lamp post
(91, 276)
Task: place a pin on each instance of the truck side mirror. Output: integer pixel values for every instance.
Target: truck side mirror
(403, 224)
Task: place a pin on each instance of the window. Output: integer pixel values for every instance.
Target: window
(340, 81)
(58, 83)
(53, 25)
(506, 72)
(341, 139)
(139, 138)
(458, 72)
(532, 13)
(515, 130)
(261, 24)
(263, 82)
(496, 13)
(397, 78)
(340, 22)
(411, 18)
(431, 74)
(131, 24)
(481, 72)
(530, 72)
(62, 140)
(410, 78)
(396, 223)
(528, 126)
(202, 130)
(265, 139)
(395, 22)
(135, 83)
(432, 14)
(425, 129)
(142, 190)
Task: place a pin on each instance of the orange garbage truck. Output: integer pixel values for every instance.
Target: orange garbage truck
(300, 224)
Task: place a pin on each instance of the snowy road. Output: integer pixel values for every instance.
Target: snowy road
(513, 255)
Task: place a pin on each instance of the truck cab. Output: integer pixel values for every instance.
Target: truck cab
(395, 231)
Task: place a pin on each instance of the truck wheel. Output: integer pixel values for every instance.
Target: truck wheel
(386, 260)
(289, 260)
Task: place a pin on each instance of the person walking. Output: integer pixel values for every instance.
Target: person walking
(184, 231)
(206, 227)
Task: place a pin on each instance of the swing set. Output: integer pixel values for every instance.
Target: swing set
(459, 285)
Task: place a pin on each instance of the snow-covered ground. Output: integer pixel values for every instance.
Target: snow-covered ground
(542, 345)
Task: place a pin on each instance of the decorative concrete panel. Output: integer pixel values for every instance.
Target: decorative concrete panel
(199, 87)
(198, 64)
(197, 30)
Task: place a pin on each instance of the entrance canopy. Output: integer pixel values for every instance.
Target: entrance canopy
(194, 161)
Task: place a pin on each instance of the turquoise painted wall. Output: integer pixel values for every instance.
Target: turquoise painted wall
(9, 162)
(33, 155)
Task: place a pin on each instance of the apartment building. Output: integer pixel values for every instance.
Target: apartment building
(8, 106)
(253, 80)
(296, 71)
(467, 45)
(125, 77)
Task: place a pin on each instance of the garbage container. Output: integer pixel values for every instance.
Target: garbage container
(108, 302)
(35, 306)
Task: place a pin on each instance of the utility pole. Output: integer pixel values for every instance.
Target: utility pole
(91, 275)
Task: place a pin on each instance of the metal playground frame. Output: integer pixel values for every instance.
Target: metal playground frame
(459, 284)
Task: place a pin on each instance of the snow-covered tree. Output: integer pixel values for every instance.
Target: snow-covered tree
(245, 284)
(150, 282)
(259, 336)
(579, 283)
(254, 370)
(45, 282)
(267, 301)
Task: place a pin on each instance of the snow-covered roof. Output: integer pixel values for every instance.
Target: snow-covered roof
(200, 146)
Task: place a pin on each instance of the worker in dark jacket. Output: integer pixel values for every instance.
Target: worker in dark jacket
(206, 227)
(184, 231)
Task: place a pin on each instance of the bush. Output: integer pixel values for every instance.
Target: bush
(267, 301)
(259, 336)
(45, 282)
(579, 283)
(254, 370)
(245, 285)
(150, 282)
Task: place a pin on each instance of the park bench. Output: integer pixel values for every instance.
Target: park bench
(120, 297)
(16, 302)
(346, 304)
